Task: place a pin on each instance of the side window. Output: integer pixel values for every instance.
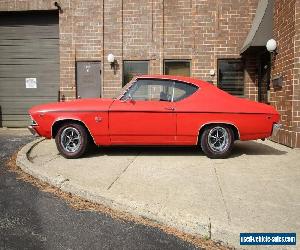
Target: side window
(151, 90)
(231, 76)
(183, 90)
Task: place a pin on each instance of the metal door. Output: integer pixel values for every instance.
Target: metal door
(88, 79)
(29, 63)
(264, 76)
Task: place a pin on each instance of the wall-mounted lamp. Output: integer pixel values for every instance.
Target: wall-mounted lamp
(57, 5)
(113, 62)
(271, 46)
(212, 72)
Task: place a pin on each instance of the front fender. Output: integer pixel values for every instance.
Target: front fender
(95, 122)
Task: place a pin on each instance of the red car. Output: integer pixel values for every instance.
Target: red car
(156, 110)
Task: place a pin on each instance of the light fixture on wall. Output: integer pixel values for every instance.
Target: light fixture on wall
(111, 60)
(271, 45)
(57, 5)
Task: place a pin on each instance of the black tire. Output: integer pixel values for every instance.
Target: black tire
(76, 147)
(217, 148)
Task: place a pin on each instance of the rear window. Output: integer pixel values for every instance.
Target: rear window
(183, 90)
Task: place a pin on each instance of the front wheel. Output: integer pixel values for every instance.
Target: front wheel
(217, 141)
(71, 140)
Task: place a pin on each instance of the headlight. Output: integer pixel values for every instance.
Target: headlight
(33, 122)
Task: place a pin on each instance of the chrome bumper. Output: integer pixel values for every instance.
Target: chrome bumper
(33, 131)
(276, 128)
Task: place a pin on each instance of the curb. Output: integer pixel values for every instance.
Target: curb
(186, 223)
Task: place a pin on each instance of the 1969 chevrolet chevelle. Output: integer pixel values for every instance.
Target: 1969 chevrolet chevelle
(156, 110)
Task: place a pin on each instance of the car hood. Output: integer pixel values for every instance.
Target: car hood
(97, 104)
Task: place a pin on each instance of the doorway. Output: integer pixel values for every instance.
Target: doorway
(264, 76)
(88, 79)
(29, 70)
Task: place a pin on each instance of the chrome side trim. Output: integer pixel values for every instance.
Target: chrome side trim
(168, 78)
(220, 122)
(72, 119)
(133, 80)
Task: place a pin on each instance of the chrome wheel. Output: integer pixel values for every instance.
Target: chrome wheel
(218, 139)
(70, 139)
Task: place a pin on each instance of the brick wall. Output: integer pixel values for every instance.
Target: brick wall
(201, 31)
(295, 142)
(154, 30)
(286, 64)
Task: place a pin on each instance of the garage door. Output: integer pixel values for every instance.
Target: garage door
(29, 63)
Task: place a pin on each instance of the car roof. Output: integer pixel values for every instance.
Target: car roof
(194, 81)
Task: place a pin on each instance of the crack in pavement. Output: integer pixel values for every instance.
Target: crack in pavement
(51, 159)
(223, 199)
(124, 170)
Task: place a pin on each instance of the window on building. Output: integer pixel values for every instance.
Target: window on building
(231, 76)
(177, 67)
(134, 68)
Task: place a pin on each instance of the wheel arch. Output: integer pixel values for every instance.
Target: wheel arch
(234, 128)
(60, 122)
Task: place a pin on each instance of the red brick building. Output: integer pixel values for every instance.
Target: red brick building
(219, 41)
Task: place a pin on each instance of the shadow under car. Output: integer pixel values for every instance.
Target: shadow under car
(239, 148)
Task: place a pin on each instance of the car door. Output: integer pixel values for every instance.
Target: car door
(144, 115)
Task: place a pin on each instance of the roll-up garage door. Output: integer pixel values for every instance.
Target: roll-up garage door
(29, 63)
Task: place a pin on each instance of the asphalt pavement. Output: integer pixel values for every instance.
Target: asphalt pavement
(33, 219)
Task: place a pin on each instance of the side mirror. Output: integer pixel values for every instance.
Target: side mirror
(128, 98)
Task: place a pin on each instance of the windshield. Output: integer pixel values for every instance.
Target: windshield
(125, 89)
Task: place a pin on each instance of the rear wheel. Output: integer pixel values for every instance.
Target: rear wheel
(217, 141)
(71, 140)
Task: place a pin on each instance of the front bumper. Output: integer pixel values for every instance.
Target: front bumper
(33, 131)
(276, 128)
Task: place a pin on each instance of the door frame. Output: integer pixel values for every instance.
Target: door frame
(76, 75)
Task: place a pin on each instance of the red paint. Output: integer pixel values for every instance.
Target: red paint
(160, 123)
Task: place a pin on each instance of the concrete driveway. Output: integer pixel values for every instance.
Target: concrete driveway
(256, 190)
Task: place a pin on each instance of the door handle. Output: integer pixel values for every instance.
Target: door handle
(170, 108)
